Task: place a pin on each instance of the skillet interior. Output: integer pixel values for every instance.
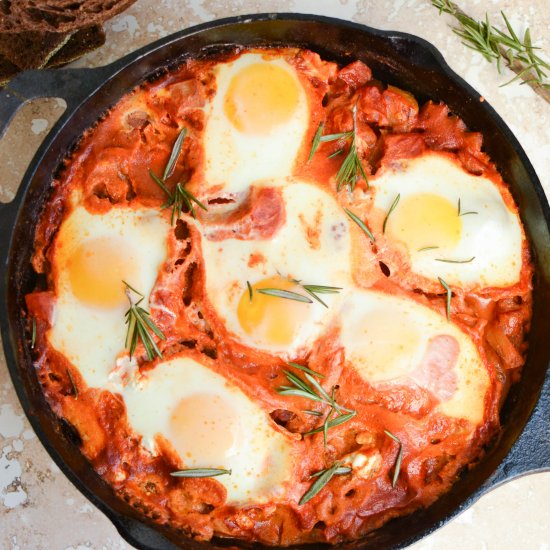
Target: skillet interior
(398, 59)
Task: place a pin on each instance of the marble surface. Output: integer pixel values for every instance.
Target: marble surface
(39, 508)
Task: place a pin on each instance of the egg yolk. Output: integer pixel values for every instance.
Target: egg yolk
(205, 429)
(96, 269)
(425, 220)
(385, 348)
(260, 97)
(271, 319)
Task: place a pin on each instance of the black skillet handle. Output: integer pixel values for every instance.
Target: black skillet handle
(71, 85)
(531, 452)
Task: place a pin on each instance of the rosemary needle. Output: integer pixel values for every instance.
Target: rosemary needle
(323, 477)
(449, 295)
(456, 261)
(140, 326)
(460, 213)
(176, 150)
(360, 223)
(287, 294)
(316, 141)
(392, 208)
(306, 369)
(201, 472)
(33, 333)
(398, 461)
(250, 293)
(71, 379)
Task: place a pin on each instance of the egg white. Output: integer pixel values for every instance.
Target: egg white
(234, 160)
(385, 338)
(290, 253)
(257, 453)
(492, 236)
(90, 336)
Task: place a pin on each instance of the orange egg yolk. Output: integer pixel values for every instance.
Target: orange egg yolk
(271, 319)
(425, 220)
(205, 429)
(260, 97)
(96, 270)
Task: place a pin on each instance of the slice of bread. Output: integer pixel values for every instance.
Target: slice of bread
(71, 47)
(59, 16)
(81, 42)
(31, 49)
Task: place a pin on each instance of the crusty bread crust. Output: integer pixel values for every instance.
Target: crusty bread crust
(59, 16)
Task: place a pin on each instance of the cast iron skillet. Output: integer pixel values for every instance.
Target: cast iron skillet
(396, 58)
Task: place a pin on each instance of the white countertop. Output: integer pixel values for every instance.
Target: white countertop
(39, 508)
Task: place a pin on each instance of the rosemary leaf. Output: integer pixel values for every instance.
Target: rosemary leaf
(316, 141)
(176, 150)
(313, 290)
(392, 208)
(341, 419)
(323, 477)
(250, 293)
(363, 227)
(399, 460)
(289, 295)
(427, 248)
(312, 413)
(342, 470)
(306, 369)
(460, 213)
(200, 472)
(455, 261)
(283, 390)
(335, 154)
(334, 137)
(33, 333)
(449, 295)
(71, 380)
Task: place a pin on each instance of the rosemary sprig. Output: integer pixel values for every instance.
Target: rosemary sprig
(71, 379)
(501, 46)
(323, 477)
(302, 388)
(175, 153)
(399, 460)
(449, 295)
(460, 213)
(33, 333)
(455, 261)
(311, 389)
(250, 292)
(360, 223)
(306, 369)
(352, 167)
(200, 472)
(141, 327)
(392, 208)
(180, 196)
